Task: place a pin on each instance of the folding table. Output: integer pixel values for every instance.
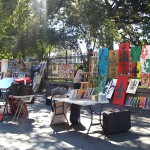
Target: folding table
(21, 101)
(83, 102)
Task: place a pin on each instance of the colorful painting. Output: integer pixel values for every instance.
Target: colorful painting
(123, 65)
(109, 88)
(138, 74)
(66, 71)
(136, 53)
(145, 79)
(145, 52)
(101, 81)
(132, 87)
(147, 105)
(142, 102)
(145, 65)
(120, 90)
(113, 63)
(103, 61)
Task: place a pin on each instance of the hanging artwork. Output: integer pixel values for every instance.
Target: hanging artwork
(109, 88)
(120, 90)
(145, 65)
(42, 67)
(145, 52)
(136, 53)
(138, 74)
(132, 87)
(103, 61)
(66, 71)
(113, 63)
(133, 70)
(145, 79)
(101, 81)
(123, 58)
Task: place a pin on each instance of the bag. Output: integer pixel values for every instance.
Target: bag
(20, 89)
(23, 80)
(75, 113)
(116, 121)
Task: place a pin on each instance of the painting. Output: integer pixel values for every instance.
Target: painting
(136, 53)
(145, 79)
(120, 90)
(132, 87)
(145, 52)
(113, 63)
(123, 64)
(109, 88)
(66, 71)
(138, 70)
(103, 61)
(100, 84)
(145, 65)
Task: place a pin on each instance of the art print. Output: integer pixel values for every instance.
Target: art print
(136, 53)
(109, 88)
(132, 87)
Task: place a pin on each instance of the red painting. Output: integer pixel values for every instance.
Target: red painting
(123, 65)
(120, 90)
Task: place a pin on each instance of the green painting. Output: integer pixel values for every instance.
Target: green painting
(136, 53)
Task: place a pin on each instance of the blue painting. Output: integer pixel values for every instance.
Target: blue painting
(103, 61)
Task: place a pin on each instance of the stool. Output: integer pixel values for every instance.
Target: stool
(85, 86)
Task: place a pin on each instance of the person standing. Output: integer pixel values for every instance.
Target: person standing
(75, 109)
(32, 71)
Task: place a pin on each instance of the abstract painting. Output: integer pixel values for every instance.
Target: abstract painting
(123, 65)
(136, 53)
(132, 87)
(109, 88)
(101, 81)
(103, 61)
(113, 63)
(120, 90)
(145, 52)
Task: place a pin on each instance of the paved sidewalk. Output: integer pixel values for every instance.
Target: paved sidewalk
(34, 132)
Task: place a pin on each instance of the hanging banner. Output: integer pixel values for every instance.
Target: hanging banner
(120, 90)
(113, 63)
(145, 52)
(138, 75)
(103, 61)
(109, 88)
(136, 53)
(123, 58)
(133, 71)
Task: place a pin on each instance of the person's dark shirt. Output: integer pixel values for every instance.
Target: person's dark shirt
(32, 71)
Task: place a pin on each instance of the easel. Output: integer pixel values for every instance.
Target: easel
(85, 86)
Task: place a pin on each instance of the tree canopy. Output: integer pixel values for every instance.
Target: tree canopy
(35, 27)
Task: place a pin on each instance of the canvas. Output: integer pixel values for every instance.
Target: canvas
(123, 65)
(109, 88)
(103, 61)
(113, 63)
(120, 90)
(136, 53)
(132, 87)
